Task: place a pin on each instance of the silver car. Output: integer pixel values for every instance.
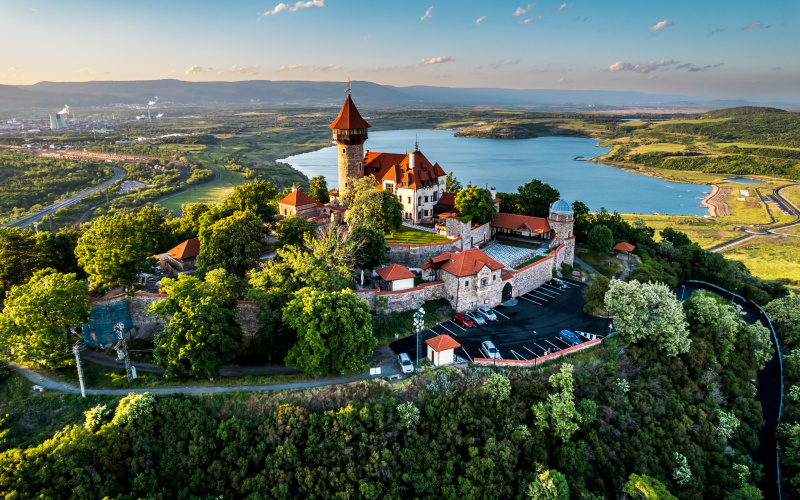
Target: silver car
(490, 350)
(486, 313)
(476, 317)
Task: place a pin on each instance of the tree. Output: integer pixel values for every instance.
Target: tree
(319, 189)
(451, 184)
(761, 343)
(579, 208)
(356, 188)
(509, 203)
(18, 257)
(256, 197)
(294, 229)
(372, 249)
(334, 331)
(115, 249)
(391, 215)
(785, 316)
(559, 411)
(715, 318)
(34, 326)
(57, 251)
(535, 198)
(202, 333)
(233, 243)
(601, 239)
(549, 485)
(191, 217)
(648, 312)
(477, 203)
(595, 293)
(647, 487)
(498, 387)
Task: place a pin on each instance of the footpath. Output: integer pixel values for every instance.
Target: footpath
(388, 367)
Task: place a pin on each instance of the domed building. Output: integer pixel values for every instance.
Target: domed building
(561, 221)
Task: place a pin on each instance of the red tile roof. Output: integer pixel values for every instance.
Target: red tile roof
(447, 199)
(465, 263)
(625, 247)
(396, 167)
(442, 343)
(186, 250)
(297, 199)
(515, 222)
(394, 272)
(349, 117)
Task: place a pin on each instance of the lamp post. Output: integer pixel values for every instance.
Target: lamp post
(683, 291)
(535, 356)
(419, 323)
(734, 294)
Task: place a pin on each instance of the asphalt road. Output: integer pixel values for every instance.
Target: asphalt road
(39, 215)
(520, 331)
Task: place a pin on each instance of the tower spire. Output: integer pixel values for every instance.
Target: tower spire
(416, 142)
(349, 86)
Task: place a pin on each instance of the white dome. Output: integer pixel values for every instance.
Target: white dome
(561, 207)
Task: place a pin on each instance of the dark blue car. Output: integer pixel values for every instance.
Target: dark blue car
(568, 337)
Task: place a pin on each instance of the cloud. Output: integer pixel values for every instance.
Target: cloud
(532, 19)
(436, 60)
(478, 21)
(694, 69)
(645, 67)
(13, 68)
(381, 69)
(427, 15)
(776, 68)
(564, 80)
(521, 11)
(194, 69)
(368, 37)
(560, 7)
(751, 26)
(312, 69)
(660, 24)
(299, 5)
(325, 69)
(716, 31)
(504, 63)
(244, 70)
(687, 65)
(291, 67)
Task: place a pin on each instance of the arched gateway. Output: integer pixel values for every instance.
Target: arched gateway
(507, 292)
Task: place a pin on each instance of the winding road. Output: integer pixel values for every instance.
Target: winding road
(37, 216)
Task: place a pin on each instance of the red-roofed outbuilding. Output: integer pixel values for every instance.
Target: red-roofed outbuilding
(624, 247)
(397, 277)
(441, 350)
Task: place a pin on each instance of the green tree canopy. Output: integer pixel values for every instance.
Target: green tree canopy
(334, 331)
(451, 184)
(35, 323)
(372, 248)
(549, 485)
(390, 217)
(233, 243)
(601, 239)
(649, 313)
(116, 248)
(595, 294)
(256, 197)
(559, 412)
(202, 333)
(509, 203)
(579, 208)
(647, 487)
(18, 257)
(715, 318)
(535, 198)
(478, 203)
(57, 250)
(191, 217)
(293, 229)
(319, 189)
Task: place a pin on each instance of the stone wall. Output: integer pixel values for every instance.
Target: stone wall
(481, 234)
(465, 297)
(146, 325)
(404, 300)
(531, 363)
(456, 229)
(416, 255)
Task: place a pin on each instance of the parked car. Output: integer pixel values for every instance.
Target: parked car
(405, 363)
(486, 313)
(490, 350)
(463, 320)
(558, 283)
(569, 337)
(476, 318)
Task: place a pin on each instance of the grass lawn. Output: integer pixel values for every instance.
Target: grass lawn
(664, 146)
(705, 232)
(745, 145)
(410, 236)
(211, 192)
(529, 262)
(605, 264)
(770, 258)
(687, 176)
(792, 193)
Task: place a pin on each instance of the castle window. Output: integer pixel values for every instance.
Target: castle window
(408, 199)
(426, 213)
(466, 282)
(435, 196)
(426, 199)
(344, 150)
(419, 200)
(483, 282)
(494, 277)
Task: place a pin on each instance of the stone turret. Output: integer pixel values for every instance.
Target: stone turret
(561, 220)
(350, 133)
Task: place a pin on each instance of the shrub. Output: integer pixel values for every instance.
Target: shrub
(96, 417)
(498, 387)
(409, 414)
(132, 407)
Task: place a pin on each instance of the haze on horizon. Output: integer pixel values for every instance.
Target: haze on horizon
(716, 48)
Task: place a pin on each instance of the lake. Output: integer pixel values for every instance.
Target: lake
(506, 164)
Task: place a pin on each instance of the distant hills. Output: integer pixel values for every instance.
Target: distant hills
(368, 94)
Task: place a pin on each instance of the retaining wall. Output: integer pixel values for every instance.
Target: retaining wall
(416, 255)
(404, 300)
(536, 361)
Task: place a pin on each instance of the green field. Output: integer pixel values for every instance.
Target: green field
(771, 258)
(211, 192)
(705, 232)
(792, 193)
(411, 236)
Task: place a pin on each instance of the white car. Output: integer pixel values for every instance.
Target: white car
(486, 313)
(476, 317)
(490, 350)
(405, 363)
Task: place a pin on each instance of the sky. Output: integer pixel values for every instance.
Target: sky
(705, 48)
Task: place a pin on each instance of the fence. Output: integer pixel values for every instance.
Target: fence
(780, 365)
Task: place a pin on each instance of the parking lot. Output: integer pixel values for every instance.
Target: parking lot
(523, 331)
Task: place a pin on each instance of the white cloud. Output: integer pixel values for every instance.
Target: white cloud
(561, 7)
(757, 24)
(564, 80)
(427, 15)
(299, 5)
(244, 70)
(381, 69)
(645, 67)
(716, 31)
(13, 68)
(704, 68)
(291, 67)
(478, 21)
(525, 10)
(325, 69)
(660, 24)
(532, 19)
(194, 69)
(436, 60)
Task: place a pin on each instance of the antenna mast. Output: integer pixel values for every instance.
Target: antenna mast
(349, 86)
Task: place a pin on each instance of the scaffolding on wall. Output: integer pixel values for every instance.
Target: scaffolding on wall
(99, 331)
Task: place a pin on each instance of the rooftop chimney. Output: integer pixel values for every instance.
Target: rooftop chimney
(411, 160)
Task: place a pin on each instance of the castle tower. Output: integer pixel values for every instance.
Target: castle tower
(350, 133)
(561, 220)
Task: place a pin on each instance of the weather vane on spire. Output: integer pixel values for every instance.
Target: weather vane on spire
(349, 87)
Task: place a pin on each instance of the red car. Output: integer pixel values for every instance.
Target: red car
(463, 320)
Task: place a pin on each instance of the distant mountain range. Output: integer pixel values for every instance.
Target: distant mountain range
(367, 94)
